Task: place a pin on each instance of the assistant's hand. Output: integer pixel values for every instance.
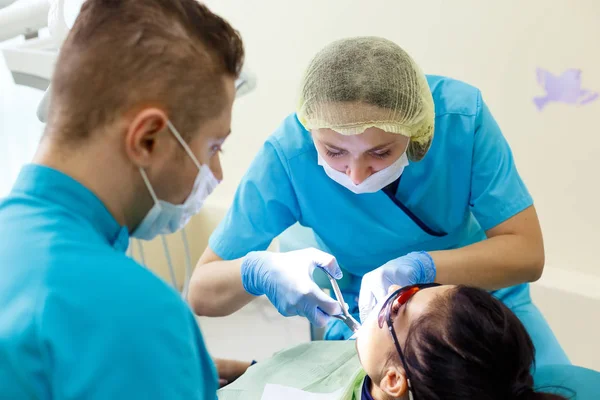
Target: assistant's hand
(230, 370)
(286, 280)
(407, 270)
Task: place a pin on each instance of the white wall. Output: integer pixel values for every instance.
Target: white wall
(19, 128)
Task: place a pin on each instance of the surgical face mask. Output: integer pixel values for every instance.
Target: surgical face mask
(373, 183)
(164, 217)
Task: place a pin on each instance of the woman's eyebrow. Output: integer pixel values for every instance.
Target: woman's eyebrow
(381, 146)
(331, 145)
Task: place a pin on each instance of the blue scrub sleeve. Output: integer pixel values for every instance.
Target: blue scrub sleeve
(497, 191)
(264, 205)
(125, 336)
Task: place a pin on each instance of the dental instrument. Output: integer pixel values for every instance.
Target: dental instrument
(346, 317)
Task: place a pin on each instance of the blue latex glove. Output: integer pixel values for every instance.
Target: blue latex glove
(286, 279)
(407, 270)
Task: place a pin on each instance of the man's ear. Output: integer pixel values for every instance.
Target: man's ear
(142, 134)
(394, 383)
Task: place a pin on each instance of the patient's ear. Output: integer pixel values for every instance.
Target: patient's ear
(394, 383)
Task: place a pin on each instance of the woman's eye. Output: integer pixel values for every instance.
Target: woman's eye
(333, 154)
(382, 154)
(216, 149)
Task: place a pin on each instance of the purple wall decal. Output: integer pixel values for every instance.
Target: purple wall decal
(565, 88)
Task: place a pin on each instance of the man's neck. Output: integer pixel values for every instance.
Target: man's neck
(97, 168)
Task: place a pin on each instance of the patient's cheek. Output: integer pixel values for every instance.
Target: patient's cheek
(364, 354)
(371, 345)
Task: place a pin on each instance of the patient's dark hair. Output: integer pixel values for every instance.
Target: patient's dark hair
(469, 345)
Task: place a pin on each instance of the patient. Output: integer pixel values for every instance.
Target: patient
(423, 342)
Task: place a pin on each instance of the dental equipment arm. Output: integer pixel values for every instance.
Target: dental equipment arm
(24, 17)
(5, 3)
(32, 62)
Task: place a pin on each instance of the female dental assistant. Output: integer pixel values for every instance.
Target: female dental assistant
(404, 178)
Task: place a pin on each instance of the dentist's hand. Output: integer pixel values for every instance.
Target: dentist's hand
(286, 280)
(408, 270)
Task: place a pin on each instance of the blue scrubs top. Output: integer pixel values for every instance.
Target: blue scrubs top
(466, 184)
(78, 318)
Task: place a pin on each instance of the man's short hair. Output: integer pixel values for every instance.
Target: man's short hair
(124, 55)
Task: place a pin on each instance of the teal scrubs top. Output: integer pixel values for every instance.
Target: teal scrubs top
(466, 184)
(78, 318)
(569, 381)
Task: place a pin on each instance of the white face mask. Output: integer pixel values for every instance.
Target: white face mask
(164, 217)
(373, 183)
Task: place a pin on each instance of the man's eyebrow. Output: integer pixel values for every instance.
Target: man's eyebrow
(225, 136)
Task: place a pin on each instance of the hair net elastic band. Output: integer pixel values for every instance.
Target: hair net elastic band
(357, 130)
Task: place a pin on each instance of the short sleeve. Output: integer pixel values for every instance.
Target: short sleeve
(126, 334)
(264, 205)
(497, 191)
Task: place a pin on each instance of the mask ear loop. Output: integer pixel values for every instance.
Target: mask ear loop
(148, 185)
(162, 237)
(141, 251)
(188, 264)
(169, 262)
(184, 144)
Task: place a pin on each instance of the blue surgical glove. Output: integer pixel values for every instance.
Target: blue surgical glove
(286, 279)
(407, 270)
